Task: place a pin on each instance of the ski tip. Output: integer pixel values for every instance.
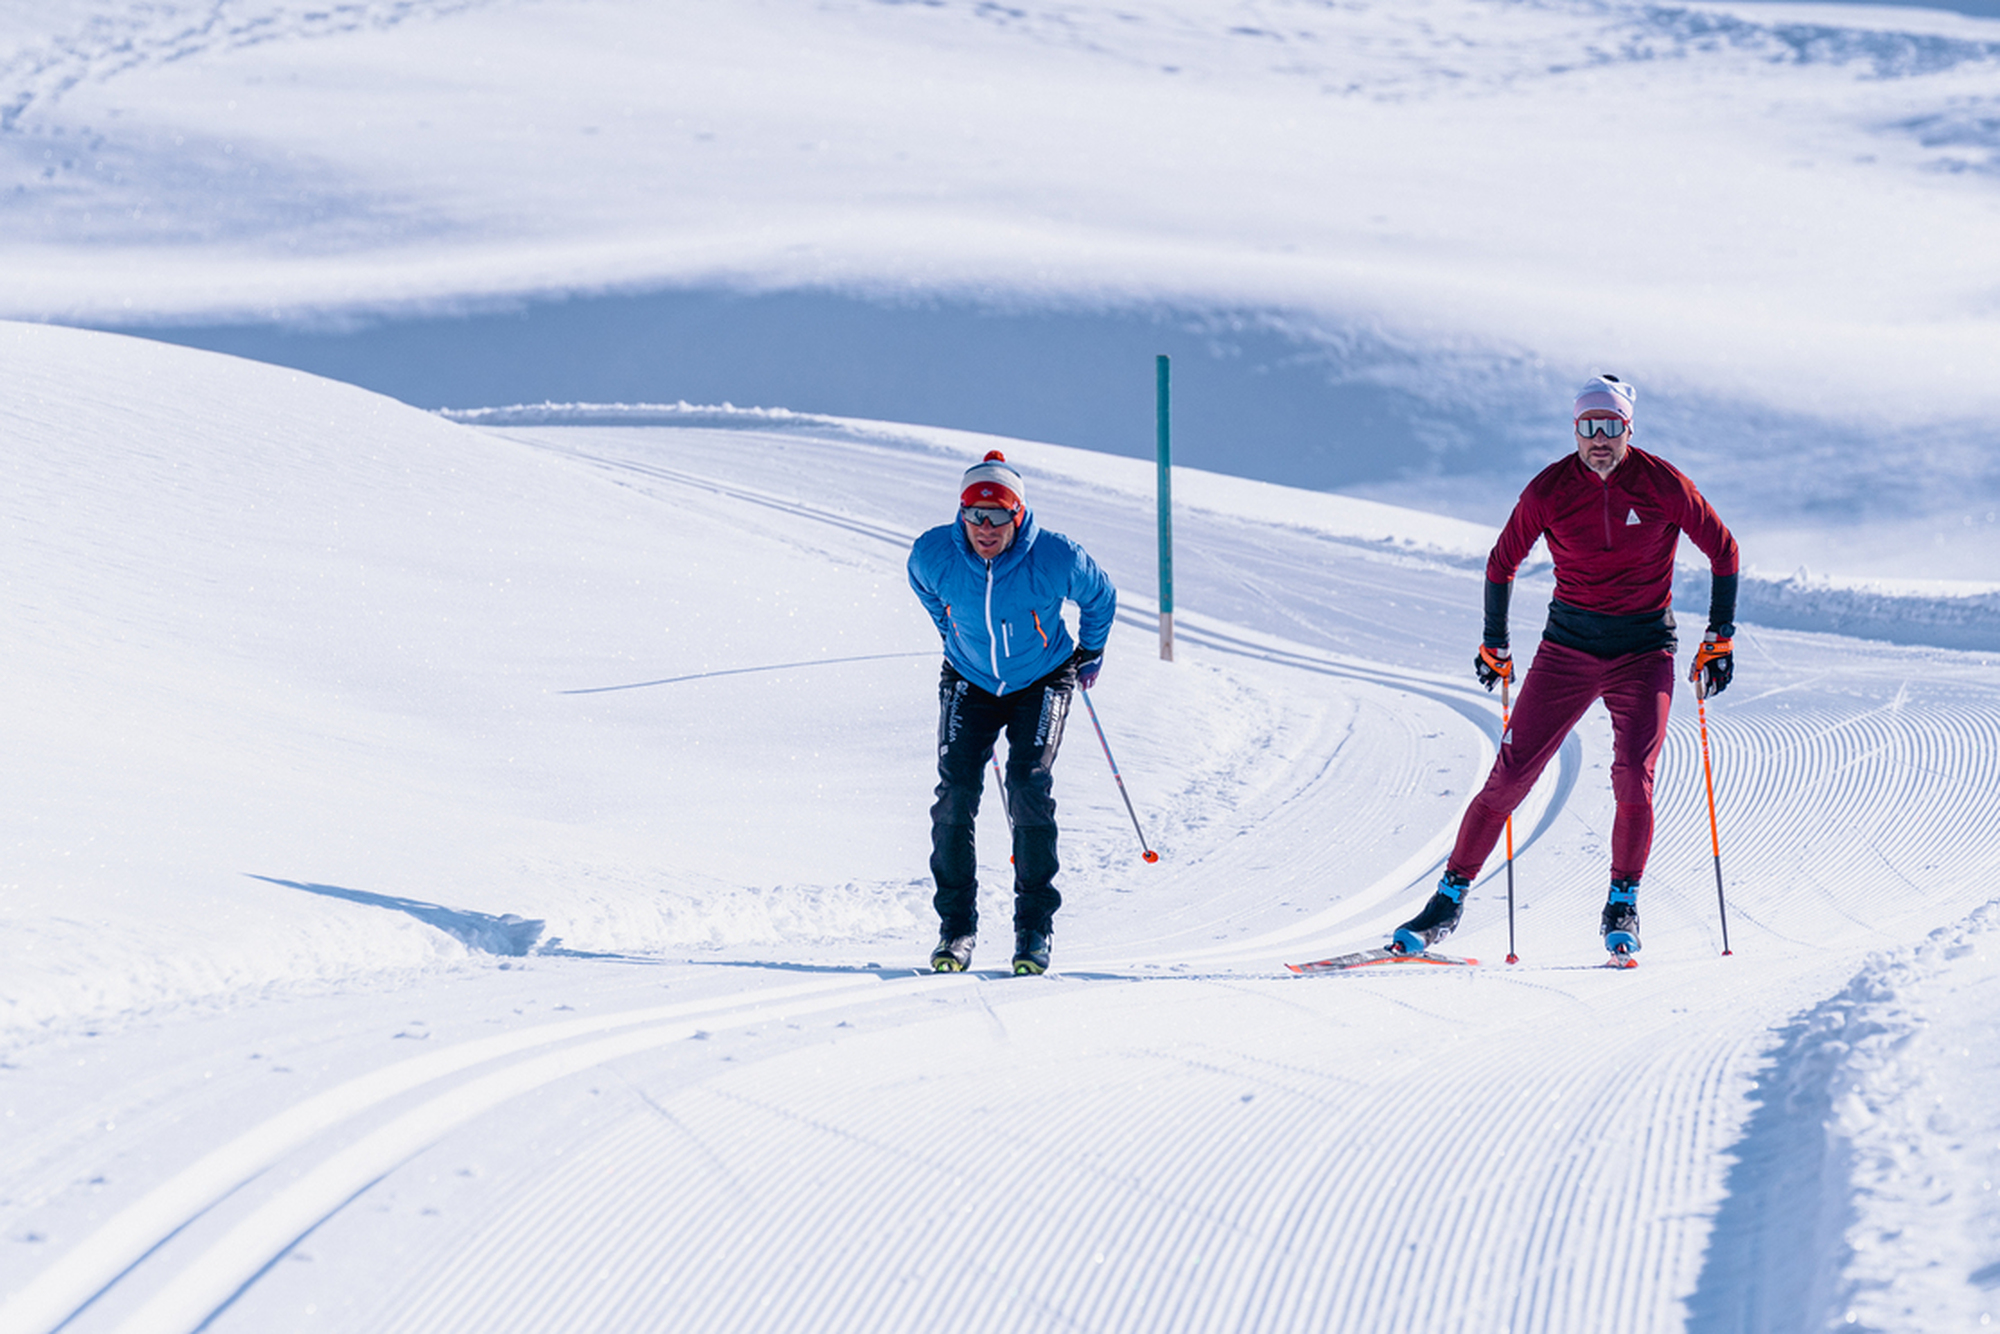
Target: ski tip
(1620, 959)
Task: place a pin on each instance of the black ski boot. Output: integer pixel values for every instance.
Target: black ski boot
(1438, 919)
(1031, 952)
(1620, 926)
(953, 953)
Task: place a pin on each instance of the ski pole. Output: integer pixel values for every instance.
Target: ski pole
(1714, 838)
(1150, 855)
(1005, 809)
(1506, 715)
(999, 778)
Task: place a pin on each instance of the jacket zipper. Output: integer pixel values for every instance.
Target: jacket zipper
(993, 640)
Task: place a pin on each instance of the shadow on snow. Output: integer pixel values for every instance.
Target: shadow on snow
(506, 935)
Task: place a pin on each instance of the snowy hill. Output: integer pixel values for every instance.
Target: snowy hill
(1382, 238)
(471, 877)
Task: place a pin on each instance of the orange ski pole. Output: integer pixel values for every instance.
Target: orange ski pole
(1506, 716)
(1714, 838)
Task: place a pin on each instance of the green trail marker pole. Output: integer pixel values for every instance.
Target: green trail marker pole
(1162, 414)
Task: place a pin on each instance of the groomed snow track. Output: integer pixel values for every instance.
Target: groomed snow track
(1167, 1134)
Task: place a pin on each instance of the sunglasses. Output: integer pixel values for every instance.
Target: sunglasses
(1590, 426)
(990, 516)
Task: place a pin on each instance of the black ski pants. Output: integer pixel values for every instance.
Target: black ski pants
(970, 720)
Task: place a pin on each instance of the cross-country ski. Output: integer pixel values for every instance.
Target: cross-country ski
(1380, 957)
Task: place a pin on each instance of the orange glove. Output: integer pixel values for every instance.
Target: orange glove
(1714, 666)
(1493, 665)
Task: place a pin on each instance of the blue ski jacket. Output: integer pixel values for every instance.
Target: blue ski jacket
(1002, 619)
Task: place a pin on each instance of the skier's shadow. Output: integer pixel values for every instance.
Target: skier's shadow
(506, 935)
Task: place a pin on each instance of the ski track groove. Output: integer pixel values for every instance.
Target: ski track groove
(1397, 1191)
(511, 1065)
(1163, 1226)
(1882, 783)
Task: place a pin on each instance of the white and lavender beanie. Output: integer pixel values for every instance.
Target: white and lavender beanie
(1605, 393)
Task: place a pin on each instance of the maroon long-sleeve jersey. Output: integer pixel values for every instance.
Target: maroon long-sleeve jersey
(1612, 541)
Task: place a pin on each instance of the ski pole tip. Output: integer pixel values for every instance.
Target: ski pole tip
(1151, 855)
(1513, 958)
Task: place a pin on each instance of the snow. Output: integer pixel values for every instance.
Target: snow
(1400, 229)
(466, 870)
(511, 913)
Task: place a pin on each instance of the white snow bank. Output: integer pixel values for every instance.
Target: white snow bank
(293, 695)
(1938, 612)
(1895, 1185)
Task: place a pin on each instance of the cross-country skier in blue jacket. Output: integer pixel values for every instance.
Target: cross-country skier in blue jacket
(995, 585)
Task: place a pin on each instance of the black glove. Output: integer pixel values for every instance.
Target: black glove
(1493, 665)
(1088, 663)
(1714, 665)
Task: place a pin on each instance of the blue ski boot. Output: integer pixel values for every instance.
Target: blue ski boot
(1438, 919)
(1620, 927)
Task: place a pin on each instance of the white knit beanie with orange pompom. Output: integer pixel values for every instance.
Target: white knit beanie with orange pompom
(994, 481)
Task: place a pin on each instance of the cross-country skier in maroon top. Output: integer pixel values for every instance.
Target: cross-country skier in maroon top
(1612, 515)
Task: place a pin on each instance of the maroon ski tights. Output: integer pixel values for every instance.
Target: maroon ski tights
(1637, 690)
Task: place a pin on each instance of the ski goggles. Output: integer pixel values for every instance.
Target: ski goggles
(987, 516)
(1590, 426)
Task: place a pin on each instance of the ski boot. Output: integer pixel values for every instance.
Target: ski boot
(1031, 952)
(1620, 925)
(953, 953)
(1438, 919)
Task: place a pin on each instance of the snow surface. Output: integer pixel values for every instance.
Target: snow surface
(471, 878)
